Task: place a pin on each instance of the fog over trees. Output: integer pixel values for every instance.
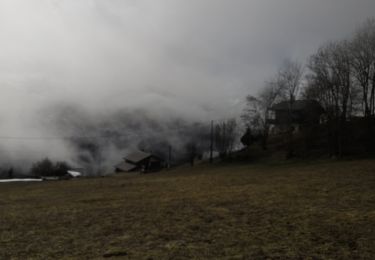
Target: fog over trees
(84, 81)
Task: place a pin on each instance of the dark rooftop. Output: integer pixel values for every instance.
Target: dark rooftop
(298, 105)
(137, 156)
(124, 166)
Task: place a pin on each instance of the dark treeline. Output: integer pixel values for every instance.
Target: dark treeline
(42, 168)
(341, 77)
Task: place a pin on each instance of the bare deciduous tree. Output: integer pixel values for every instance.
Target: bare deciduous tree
(331, 81)
(226, 136)
(362, 51)
(290, 81)
(256, 113)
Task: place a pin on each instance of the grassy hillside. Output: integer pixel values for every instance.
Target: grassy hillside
(320, 210)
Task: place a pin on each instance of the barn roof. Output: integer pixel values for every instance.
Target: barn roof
(298, 105)
(124, 166)
(137, 156)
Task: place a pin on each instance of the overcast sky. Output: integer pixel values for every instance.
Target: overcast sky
(197, 57)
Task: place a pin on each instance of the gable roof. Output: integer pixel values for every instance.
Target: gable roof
(137, 156)
(298, 105)
(124, 166)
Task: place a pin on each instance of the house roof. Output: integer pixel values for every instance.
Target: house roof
(137, 156)
(124, 166)
(298, 105)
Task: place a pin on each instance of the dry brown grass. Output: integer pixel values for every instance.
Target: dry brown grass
(309, 211)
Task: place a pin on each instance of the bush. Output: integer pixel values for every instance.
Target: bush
(46, 167)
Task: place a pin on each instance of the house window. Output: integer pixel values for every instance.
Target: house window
(271, 115)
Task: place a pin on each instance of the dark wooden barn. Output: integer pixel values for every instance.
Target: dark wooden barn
(140, 162)
(300, 113)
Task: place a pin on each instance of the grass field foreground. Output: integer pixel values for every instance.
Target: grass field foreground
(320, 210)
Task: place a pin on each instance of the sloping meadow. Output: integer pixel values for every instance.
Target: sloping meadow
(320, 210)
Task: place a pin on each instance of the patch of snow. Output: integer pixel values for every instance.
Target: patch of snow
(74, 174)
(19, 180)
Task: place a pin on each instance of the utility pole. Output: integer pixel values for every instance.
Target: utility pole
(212, 142)
(224, 139)
(169, 156)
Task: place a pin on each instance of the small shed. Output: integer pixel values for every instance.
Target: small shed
(138, 161)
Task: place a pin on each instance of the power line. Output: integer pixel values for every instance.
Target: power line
(65, 137)
(52, 138)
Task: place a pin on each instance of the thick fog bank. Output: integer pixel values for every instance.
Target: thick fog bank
(96, 141)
